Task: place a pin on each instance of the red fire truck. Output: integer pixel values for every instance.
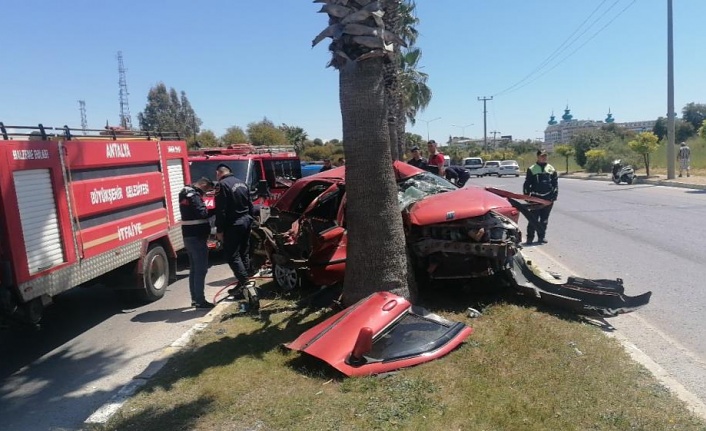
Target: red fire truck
(268, 172)
(76, 208)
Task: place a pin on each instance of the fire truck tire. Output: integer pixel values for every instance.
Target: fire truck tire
(155, 273)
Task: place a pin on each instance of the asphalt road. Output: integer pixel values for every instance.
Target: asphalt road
(93, 341)
(653, 238)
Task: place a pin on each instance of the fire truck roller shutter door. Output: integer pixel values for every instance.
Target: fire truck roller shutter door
(40, 224)
(176, 183)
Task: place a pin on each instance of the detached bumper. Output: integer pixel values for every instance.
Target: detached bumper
(598, 298)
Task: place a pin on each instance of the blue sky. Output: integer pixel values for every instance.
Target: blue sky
(240, 61)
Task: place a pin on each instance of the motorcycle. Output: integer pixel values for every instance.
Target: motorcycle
(623, 173)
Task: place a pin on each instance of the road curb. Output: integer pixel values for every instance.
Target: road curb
(103, 414)
(655, 182)
(692, 401)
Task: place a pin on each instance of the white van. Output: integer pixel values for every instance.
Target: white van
(474, 166)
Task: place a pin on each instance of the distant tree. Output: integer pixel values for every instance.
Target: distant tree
(234, 135)
(683, 130)
(167, 112)
(660, 128)
(565, 151)
(187, 117)
(296, 136)
(644, 144)
(317, 141)
(694, 114)
(596, 160)
(702, 130)
(265, 133)
(207, 139)
(585, 141)
(412, 139)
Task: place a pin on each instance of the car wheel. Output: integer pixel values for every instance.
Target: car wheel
(499, 176)
(286, 278)
(155, 273)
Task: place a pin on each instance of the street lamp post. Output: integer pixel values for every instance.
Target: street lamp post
(463, 129)
(429, 121)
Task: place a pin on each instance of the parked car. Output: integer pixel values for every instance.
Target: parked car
(453, 234)
(492, 167)
(474, 166)
(509, 167)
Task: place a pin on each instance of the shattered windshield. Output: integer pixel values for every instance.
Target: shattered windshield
(420, 186)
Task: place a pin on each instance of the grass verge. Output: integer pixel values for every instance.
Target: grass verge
(522, 369)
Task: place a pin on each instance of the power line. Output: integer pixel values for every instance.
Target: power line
(580, 46)
(568, 42)
(555, 52)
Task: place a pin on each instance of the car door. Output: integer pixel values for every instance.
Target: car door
(323, 238)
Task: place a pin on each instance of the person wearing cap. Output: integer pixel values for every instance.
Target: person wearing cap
(541, 181)
(684, 158)
(417, 160)
(436, 159)
(234, 223)
(195, 228)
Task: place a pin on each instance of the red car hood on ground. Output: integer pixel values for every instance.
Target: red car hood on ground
(470, 201)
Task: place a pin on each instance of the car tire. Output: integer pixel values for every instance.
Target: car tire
(155, 273)
(286, 278)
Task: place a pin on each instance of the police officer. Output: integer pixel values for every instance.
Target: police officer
(195, 228)
(458, 174)
(233, 223)
(541, 181)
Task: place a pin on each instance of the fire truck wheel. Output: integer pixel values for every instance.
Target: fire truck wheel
(155, 273)
(286, 278)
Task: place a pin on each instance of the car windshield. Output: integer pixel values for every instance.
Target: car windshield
(207, 168)
(420, 186)
(473, 162)
(508, 163)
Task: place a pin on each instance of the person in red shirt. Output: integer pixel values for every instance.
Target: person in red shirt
(436, 159)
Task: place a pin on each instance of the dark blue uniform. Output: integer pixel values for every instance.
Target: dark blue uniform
(234, 220)
(457, 173)
(195, 229)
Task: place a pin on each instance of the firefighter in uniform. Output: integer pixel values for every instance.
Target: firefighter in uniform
(195, 228)
(541, 181)
(233, 223)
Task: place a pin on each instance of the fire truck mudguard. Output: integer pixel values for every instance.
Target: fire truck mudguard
(77, 208)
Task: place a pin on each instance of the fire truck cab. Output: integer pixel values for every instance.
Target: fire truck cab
(76, 208)
(267, 171)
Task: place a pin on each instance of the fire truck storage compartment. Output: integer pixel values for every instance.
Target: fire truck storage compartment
(40, 224)
(74, 210)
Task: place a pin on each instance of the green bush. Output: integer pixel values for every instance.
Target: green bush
(597, 160)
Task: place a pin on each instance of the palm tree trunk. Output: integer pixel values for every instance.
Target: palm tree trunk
(376, 259)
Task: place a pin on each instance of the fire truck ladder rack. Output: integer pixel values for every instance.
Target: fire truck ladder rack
(242, 149)
(43, 133)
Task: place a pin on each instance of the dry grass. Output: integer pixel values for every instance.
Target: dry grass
(522, 369)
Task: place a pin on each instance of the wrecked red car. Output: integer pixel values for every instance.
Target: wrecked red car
(453, 233)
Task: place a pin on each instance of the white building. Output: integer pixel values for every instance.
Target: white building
(561, 132)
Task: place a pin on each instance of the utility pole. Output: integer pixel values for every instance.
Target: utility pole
(670, 94)
(494, 132)
(485, 122)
